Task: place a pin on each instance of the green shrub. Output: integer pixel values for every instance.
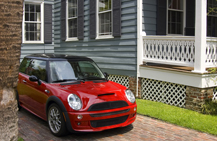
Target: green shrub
(210, 107)
(20, 139)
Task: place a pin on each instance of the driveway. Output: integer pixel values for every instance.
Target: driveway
(32, 128)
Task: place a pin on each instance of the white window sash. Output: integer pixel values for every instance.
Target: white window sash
(98, 36)
(37, 22)
(67, 23)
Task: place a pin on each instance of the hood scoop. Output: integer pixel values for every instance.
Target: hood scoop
(106, 94)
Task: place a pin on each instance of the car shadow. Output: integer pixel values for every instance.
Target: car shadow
(101, 134)
(30, 124)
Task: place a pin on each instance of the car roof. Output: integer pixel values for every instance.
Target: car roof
(50, 56)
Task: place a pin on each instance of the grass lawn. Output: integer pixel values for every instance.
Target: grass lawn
(178, 116)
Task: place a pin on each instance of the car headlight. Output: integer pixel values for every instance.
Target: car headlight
(74, 102)
(130, 96)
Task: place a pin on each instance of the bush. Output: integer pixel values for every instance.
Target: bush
(210, 107)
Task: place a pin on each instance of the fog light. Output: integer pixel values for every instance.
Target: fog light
(80, 117)
(79, 123)
(134, 108)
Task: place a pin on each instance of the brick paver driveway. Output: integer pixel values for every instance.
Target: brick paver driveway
(32, 128)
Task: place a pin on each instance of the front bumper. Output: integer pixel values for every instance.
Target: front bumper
(102, 120)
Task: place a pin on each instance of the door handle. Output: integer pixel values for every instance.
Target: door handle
(24, 81)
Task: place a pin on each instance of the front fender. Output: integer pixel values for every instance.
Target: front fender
(54, 99)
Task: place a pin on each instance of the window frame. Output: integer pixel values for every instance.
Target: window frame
(97, 21)
(41, 3)
(184, 19)
(67, 23)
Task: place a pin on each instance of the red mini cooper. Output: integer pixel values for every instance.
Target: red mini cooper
(72, 94)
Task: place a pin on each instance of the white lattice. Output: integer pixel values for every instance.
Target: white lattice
(169, 93)
(214, 94)
(123, 80)
(211, 53)
(169, 50)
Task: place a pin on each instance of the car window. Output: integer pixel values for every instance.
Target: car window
(38, 68)
(61, 70)
(89, 68)
(24, 64)
(71, 70)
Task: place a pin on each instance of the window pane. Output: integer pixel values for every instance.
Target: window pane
(27, 17)
(211, 28)
(175, 22)
(32, 8)
(105, 24)
(27, 7)
(24, 64)
(38, 68)
(175, 4)
(33, 32)
(72, 28)
(72, 8)
(104, 5)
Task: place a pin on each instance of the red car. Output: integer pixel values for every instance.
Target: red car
(72, 94)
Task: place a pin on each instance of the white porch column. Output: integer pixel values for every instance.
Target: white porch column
(139, 41)
(200, 36)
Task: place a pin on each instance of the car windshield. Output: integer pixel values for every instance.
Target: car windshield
(61, 71)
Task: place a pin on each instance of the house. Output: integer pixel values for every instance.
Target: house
(160, 49)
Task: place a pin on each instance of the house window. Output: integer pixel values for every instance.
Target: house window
(32, 24)
(175, 17)
(211, 19)
(104, 17)
(72, 17)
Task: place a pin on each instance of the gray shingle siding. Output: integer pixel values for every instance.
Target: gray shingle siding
(115, 56)
(149, 16)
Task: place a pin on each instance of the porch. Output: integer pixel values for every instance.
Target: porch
(176, 56)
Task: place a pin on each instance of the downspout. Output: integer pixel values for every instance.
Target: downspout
(139, 42)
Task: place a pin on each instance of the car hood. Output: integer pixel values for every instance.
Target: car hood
(92, 92)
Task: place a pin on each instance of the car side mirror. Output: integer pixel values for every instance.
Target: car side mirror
(106, 75)
(34, 79)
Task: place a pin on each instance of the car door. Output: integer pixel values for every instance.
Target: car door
(22, 88)
(35, 92)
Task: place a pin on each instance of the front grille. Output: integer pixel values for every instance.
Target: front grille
(110, 113)
(107, 105)
(108, 122)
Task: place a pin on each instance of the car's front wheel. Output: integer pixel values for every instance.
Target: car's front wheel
(56, 120)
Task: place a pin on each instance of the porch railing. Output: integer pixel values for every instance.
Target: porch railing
(177, 50)
(211, 52)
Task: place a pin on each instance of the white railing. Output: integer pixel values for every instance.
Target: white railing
(211, 52)
(173, 50)
(177, 50)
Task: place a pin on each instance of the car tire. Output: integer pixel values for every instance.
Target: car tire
(56, 121)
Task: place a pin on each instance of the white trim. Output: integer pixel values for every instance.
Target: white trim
(67, 24)
(97, 22)
(140, 34)
(184, 78)
(104, 37)
(42, 23)
(200, 36)
(71, 39)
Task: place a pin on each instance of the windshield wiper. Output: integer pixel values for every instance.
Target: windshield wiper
(65, 80)
(94, 78)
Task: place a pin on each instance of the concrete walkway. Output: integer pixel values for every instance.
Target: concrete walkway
(32, 128)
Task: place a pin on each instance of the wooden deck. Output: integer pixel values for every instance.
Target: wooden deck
(169, 67)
